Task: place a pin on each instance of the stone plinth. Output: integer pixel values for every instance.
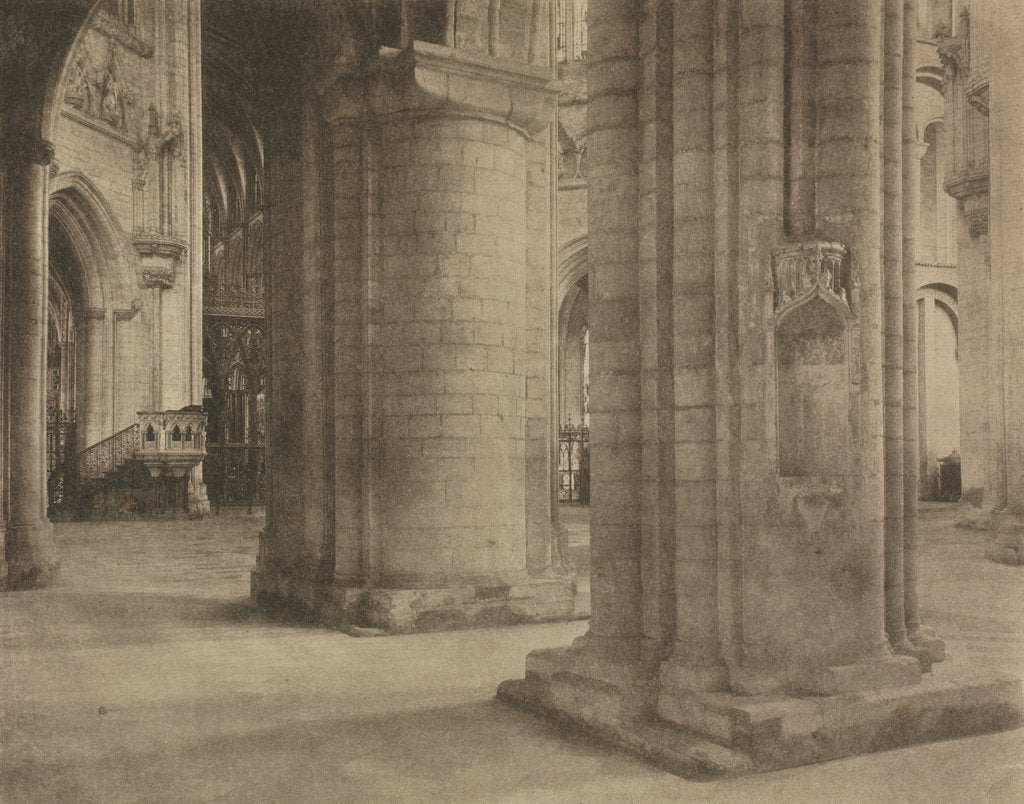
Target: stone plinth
(404, 610)
(720, 733)
(1005, 538)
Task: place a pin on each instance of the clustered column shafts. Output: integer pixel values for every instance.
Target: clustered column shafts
(781, 320)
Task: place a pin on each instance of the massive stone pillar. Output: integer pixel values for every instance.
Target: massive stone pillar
(410, 342)
(985, 176)
(31, 559)
(1002, 96)
(774, 620)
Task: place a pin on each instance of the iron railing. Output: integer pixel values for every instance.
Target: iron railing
(574, 463)
(107, 455)
(235, 473)
(60, 441)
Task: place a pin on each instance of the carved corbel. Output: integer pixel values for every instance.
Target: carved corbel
(160, 255)
(971, 189)
(130, 313)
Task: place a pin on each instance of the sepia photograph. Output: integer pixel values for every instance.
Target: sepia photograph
(568, 401)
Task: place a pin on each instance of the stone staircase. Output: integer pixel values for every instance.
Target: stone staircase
(140, 471)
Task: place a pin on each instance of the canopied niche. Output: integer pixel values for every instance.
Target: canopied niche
(812, 303)
(814, 400)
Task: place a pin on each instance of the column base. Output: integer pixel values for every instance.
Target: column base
(925, 641)
(198, 502)
(885, 670)
(31, 557)
(398, 611)
(969, 515)
(1006, 538)
(705, 734)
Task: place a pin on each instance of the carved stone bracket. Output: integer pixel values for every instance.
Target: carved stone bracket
(129, 314)
(162, 278)
(152, 244)
(94, 313)
(970, 188)
(977, 96)
(160, 257)
(816, 267)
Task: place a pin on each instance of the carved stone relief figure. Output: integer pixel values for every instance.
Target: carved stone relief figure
(79, 92)
(99, 92)
(112, 105)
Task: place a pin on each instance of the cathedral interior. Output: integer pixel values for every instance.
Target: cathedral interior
(645, 377)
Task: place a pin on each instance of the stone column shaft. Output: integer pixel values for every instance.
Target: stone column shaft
(93, 406)
(30, 551)
(655, 306)
(893, 308)
(613, 140)
(689, 385)
(925, 647)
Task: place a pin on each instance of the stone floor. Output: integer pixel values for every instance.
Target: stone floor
(148, 677)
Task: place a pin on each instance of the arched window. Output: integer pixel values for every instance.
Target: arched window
(572, 30)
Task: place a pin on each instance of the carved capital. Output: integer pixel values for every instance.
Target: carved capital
(27, 149)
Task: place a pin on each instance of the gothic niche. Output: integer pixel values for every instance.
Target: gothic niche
(812, 295)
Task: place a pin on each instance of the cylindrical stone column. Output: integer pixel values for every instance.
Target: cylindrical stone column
(690, 382)
(92, 404)
(613, 143)
(31, 554)
(892, 306)
(448, 359)
(925, 646)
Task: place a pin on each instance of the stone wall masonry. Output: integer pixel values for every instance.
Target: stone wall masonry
(484, 220)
